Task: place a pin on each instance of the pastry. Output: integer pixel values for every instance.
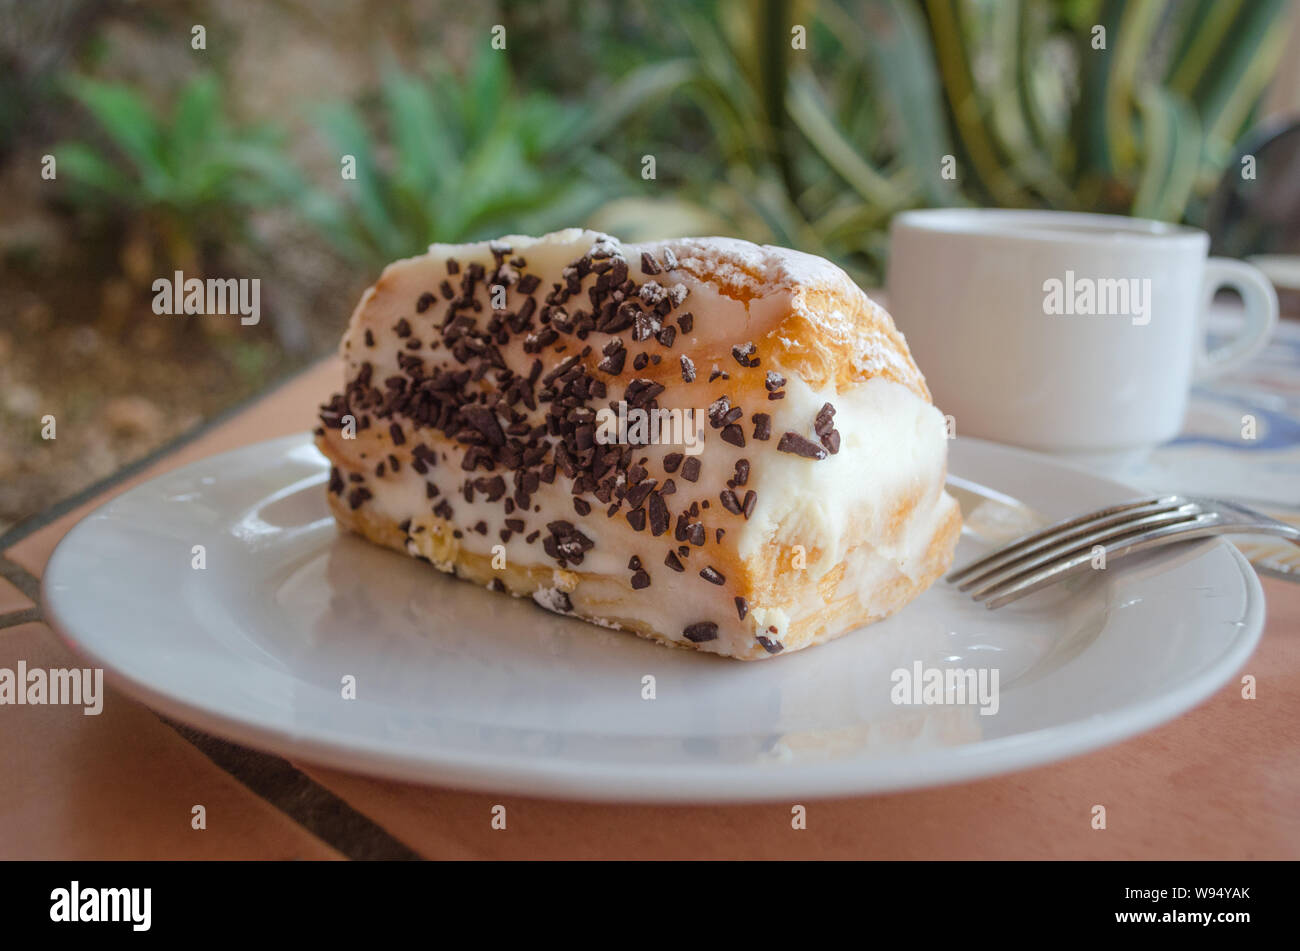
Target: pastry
(713, 444)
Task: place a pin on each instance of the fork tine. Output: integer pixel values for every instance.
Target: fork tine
(1052, 534)
(1024, 583)
(1100, 532)
(1078, 544)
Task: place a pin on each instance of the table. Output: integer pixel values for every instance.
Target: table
(1223, 781)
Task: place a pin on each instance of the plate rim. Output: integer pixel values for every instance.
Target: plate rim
(632, 782)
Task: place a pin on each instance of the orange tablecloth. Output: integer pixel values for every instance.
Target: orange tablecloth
(1220, 782)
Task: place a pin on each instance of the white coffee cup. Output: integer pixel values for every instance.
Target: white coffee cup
(1065, 332)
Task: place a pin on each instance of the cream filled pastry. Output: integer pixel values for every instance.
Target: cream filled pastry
(713, 444)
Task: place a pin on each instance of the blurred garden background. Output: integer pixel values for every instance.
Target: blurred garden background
(806, 124)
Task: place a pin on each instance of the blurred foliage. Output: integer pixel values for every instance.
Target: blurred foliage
(1152, 117)
(187, 177)
(35, 41)
(819, 147)
(451, 159)
(814, 147)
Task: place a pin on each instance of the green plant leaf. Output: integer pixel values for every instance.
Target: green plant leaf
(1200, 25)
(902, 69)
(86, 167)
(488, 86)
(617, 104)
(1131, 39)
(1243, 63)
(425, 157)
(1171, 144)
(346, 130)
(129, 123)
(809, 113)
(987, 165)
(196, 121)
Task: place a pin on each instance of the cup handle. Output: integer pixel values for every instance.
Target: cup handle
(1260, 298)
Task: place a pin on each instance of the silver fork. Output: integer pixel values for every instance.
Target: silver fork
(1068, 548)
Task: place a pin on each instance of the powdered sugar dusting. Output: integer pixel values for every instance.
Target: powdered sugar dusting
(758, 269)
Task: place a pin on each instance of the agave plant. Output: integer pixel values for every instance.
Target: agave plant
(1156, 93)
(186, 177)
(1122, 106)
(819, 142)
(451, 158)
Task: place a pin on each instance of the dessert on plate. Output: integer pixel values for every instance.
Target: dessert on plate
(710, 443)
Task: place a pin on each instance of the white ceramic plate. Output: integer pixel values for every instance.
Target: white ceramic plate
(461, 687)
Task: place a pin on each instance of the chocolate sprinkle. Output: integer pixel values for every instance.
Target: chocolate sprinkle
(824, 421)
(742, 607)
(658, 512)
(673, 562)
(691, 468)
(640, 580)
(713, 575)
(800, 446)
(744, 354)
(701, 631)
(824, 427)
